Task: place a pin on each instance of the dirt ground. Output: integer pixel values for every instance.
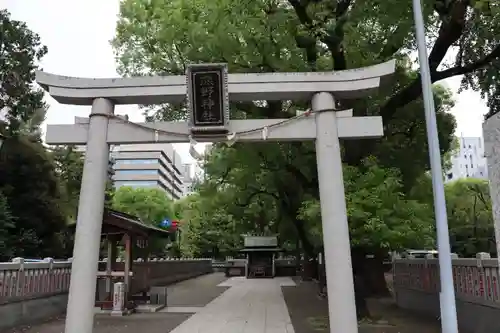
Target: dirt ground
(313, 318)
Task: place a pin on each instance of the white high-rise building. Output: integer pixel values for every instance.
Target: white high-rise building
(155, 165)
(187, 179)
(469, 160)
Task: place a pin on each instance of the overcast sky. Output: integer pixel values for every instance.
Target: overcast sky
(77, 34)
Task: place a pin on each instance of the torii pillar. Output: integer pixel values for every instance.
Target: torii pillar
(491, 135)
(326, 125)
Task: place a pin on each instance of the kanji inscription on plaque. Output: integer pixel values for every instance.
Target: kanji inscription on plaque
(207, 95)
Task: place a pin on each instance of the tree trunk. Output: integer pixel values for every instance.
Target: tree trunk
(297, 255)
(360, 287)
(309, 262)
(360, 296)
(369, 265)
(374, 275)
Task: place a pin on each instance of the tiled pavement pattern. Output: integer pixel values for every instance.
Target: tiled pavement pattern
(248, 306)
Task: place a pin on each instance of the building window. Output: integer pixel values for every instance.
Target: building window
(136, 172)
(135, 183)
(137, 161)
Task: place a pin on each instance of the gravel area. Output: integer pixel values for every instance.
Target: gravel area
(309, 314)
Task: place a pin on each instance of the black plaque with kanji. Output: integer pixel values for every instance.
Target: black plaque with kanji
(207, 96)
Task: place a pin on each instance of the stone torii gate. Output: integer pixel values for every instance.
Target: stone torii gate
(325, 125)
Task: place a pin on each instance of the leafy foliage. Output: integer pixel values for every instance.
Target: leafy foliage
(207, 229)
(20, 50)
(28, 180)
(379, 213)
(151, 205)
(279, 181)
(470, 217)
(33, 205)
(69, 168)
(6, 225)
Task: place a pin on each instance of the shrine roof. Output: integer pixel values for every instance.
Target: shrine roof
(261, 249)
(116, 222)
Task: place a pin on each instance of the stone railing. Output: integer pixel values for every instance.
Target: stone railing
(477, 289)
(35, 291)
(21, 280)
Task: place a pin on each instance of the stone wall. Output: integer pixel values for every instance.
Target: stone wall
(477, 290)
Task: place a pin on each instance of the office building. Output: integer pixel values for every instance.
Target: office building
(148, 165)
(469, 160)
(145, 165)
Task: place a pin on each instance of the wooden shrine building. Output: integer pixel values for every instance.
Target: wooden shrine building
(260, 256)
(132, 235)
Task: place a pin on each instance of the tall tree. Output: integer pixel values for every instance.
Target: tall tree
(156, 37)
(470, 217)
(69, 168)
(20, 51)
(27, 176)
(151, 205)
(6, 226)
(28, 180)
(268, 36)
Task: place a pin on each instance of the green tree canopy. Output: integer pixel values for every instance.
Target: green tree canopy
(20, 50)
(6, 226)
(151, 205)
(470, 217)
(28, 180)
(69, 168)
(158, 37)
(379, 213)
(207, 228)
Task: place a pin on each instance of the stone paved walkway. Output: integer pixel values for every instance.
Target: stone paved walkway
(249, 306)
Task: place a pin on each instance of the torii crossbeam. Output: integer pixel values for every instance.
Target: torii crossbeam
(325, 125)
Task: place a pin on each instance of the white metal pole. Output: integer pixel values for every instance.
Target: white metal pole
(80, 312)
(447, 296)
(339, 275)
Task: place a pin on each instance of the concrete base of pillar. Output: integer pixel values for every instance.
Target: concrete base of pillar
(120, 313)
(149, 308)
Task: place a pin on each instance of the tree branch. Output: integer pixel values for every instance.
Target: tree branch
(390, 47)
(254, 194)
(461, 70)
(307, 43)
(334, 39)
(452, 27)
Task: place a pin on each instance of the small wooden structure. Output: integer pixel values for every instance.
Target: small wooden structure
(119, 228)
(261, 254)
